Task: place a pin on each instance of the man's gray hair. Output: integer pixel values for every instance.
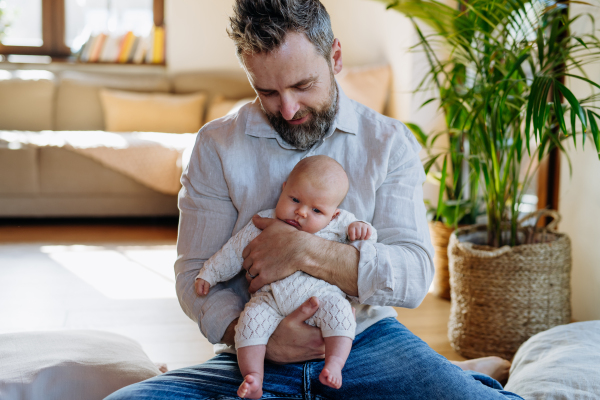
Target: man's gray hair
(260, 26)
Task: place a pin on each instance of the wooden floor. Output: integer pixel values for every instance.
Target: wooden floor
(159, 325)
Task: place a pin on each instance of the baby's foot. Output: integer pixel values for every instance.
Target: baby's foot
(251, 388)
(331, 376)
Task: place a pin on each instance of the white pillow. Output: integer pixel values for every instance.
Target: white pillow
(560, 363)
(66, 365)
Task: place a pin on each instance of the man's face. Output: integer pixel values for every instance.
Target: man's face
(296, 89)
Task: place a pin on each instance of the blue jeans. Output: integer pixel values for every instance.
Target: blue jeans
(386, 362)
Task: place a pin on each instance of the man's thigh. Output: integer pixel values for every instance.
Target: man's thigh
(387, 361)
(218, 378)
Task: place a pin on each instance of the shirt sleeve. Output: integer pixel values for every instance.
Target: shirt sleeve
(398, 269)
(207, 219)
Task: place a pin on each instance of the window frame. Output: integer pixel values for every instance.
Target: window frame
(53, 30)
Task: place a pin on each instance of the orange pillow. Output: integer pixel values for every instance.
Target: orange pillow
(152, 112)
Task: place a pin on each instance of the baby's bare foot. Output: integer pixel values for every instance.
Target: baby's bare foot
(495, 367)
(331, 377)
(251, 388)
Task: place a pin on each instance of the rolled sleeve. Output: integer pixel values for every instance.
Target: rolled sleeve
(398, 270)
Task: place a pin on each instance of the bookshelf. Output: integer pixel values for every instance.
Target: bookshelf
(126, 48)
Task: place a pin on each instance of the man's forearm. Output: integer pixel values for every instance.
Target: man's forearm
(334, 262)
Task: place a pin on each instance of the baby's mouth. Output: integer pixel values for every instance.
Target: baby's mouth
(293, 223)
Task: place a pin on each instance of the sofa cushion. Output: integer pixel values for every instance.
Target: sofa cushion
(152, 112)
(229, 84)
(26, 100)
(78, 97)
(18, 169)
(65, 365)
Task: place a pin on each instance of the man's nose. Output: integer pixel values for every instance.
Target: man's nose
(289, 106)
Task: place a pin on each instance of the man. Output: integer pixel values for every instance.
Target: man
(237, 168)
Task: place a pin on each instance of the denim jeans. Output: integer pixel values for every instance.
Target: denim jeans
(386, 362)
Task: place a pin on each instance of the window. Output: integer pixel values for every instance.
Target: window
(60, 27)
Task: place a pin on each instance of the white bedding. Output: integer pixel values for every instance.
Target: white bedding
(153, 159)
(560, 363)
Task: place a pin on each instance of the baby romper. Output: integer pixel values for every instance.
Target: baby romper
(271, 303)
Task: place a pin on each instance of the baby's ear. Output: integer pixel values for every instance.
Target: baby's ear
(283, 186)
(335, 214)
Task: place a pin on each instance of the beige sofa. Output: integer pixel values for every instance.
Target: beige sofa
(51, 181)
(55, 182)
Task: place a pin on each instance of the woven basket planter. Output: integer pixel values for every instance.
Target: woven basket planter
(440, 237)
(503, 296)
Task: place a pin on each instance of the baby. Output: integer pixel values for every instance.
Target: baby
(308, 202)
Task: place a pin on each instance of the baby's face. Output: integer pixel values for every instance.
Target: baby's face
(306, 207)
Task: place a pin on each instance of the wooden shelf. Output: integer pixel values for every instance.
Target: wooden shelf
(60, 64)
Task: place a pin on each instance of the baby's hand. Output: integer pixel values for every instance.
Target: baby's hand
(359, 231)
(202, 287)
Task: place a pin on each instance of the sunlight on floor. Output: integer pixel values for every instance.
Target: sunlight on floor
(121, 272)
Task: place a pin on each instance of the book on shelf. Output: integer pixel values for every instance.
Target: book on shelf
(97, 47)
(126, 45)
(125, 48)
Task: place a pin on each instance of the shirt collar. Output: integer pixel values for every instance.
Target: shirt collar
(258, 125)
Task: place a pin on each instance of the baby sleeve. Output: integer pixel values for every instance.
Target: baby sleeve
(227, 262)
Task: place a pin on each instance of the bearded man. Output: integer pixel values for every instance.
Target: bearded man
(238, 166)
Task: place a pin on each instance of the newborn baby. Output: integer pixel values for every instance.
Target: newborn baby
(308, 202)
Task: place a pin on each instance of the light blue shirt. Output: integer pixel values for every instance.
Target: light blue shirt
(237, 168)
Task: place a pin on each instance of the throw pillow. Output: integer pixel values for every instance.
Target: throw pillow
(69, 365)
(368, 85)
(220, 107)
(152, 112)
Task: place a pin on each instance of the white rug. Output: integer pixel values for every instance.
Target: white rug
(126, 289)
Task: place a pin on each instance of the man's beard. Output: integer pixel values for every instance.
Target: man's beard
(303, 136)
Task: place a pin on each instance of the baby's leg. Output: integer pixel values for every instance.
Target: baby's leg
(337, 323)
(337, 349)
(251, 360)
(256, 324)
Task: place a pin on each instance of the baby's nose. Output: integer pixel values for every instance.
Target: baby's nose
(301, 211)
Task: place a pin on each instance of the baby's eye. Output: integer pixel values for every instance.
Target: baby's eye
(317, 210)
(295, 200)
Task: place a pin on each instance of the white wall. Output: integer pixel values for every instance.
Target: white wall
(579, 205)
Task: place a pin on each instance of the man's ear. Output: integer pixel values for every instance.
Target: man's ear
(335, 214)
(336, 56)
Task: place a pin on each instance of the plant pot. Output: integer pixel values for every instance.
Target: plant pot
(440, 237)
(503, 296)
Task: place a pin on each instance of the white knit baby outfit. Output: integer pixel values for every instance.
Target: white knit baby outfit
(271, 303)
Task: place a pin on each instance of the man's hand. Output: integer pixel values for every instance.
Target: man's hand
(295, 341)
(359, 231)
(278, 252)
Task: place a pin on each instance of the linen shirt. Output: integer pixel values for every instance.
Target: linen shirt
(237, 168)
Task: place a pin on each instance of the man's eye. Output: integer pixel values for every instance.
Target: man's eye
(305, 87)
(295, 200)
(317, 210)
(267, 94)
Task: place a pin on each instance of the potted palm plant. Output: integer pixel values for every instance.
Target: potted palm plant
(509, 281)
(457, 203)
